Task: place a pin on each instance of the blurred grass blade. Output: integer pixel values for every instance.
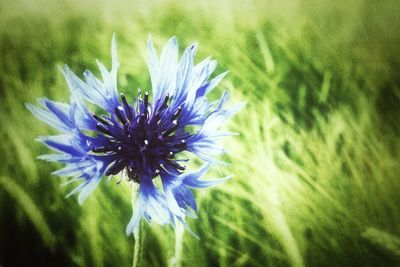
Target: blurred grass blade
(384, 242)
(30, 208)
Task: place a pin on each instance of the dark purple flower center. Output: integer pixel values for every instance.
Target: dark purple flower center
(141, 139)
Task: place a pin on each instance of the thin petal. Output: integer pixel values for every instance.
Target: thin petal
(137, 215)
(209, 86)
(77, 86)
(59, 142)
(87, 189)
(153, 66)
(184, 73)
(48, 117)
(73, 169)
(196, 183)
(156, 207)
(168, 65)
(60, 110)
(55, 157)
(184, 197)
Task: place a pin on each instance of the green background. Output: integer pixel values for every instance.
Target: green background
(316, 165)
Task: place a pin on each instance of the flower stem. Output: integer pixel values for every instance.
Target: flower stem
(138, 232)
(137, 250)
(179, 232)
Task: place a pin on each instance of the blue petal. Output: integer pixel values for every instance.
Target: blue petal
(169, 183)
(156, 206)
(163, 72)
(153, 66)
(205, 147)
(48, 117)
(92, 176)
(55, 157)
(85, 189)
(81, 116)
(195, 183)
(217, 118)
(151, 204)
(99, 93)
(61, 143)
(184, 197)
(193, 115)
(184, 73)
(88, 188)
(60, 110)
(206, 88)
(201, 73)
(137, 215)
(77, 86)
(168, 65)
(74, 169)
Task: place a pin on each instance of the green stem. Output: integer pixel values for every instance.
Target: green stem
(137, 250)
(179, 232)
(138, 233)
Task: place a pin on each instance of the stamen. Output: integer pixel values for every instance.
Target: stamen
(181, 144)
(176, 165)
(170, 130)
(127, 107)
(101, 149)
(116, 167)
(133, 174)
(102, 129)
(119, 111)
(164, 103)
(141, 131)
(177, 113)
(146, 99)
(99, 119)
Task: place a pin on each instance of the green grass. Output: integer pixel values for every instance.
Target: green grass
(316, 165)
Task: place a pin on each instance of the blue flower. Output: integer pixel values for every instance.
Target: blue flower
(144, 139)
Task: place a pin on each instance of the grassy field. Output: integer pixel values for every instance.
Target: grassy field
(316, 165)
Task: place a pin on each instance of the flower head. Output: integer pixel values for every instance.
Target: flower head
(142, 138)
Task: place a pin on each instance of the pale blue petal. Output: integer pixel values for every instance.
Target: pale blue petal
(209, 86)
(73, 169)
(192, 179)
(168, 68)
(81, 116)
(196, 174)
(137, 214)
(77, 189)
(77, 86)
(163, 72)
(153, 66)
(216, 119)
(184, 197)
(60, 110)
(196, 183)
(156, 207)
(48, 117)
(87, 189)
(205, 146)
(56, 157)
(184, 73)
(201, 73)
(59, 142)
